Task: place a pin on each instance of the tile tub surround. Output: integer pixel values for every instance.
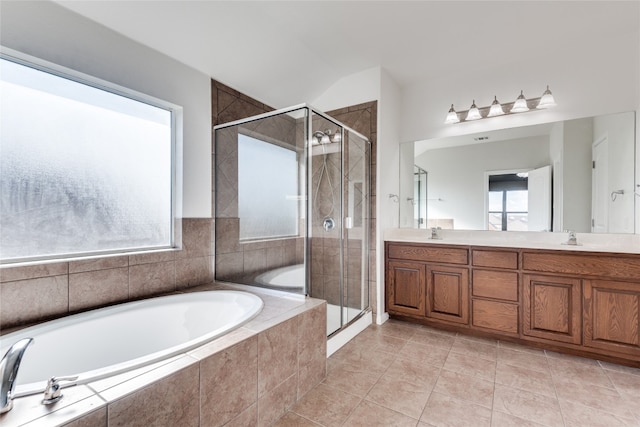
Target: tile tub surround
(400, 374)
(251, 376)
(44, 291)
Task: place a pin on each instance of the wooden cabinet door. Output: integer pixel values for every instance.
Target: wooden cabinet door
(611, 316)
(406, 288)
(448, 293)
(552, 308)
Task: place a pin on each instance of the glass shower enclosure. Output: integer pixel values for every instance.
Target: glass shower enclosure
(292, 208)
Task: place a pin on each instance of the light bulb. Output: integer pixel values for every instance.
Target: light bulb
(496, 108)
(337, 137)
(546, 101)
(520, 106)
(325, 139)
(452, 116)
(474, 113)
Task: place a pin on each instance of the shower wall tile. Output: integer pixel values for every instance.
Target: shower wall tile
(196, 238)
(228, 265)
(98, 288)
(229, 383)
(151, 258)
(33, 299)
(255, 261)
(249, 417)
(150, 279)
(275, 257)
(11, 274)
(277, 355)
(173, 400)
(275, 403)
(227, 232)
(98, 264)
(193, 271)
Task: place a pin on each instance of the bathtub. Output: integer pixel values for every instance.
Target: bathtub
(286, 278)
(104, 342)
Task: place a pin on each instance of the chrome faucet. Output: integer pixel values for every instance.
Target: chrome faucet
(572, 240)
(9, 371)
(435, 233)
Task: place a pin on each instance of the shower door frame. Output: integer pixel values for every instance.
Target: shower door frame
(307, 249)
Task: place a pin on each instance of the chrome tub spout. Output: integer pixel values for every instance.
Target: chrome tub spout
(9, 371)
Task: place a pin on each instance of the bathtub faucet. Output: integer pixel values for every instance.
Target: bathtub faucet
(9, 371)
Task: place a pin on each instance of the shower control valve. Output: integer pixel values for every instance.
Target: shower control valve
(328, 224)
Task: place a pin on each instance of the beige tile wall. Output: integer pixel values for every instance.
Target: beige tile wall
(39, 292)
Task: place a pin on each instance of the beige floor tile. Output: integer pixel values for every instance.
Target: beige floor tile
(400, 395)
(627, 384)
(500, 419)
(525, 379)
(374, 361)
(619, 368)
(471, 365)
(527, 405)
(291, 419)
(425, 354)
(465, 387)
(602, 398)
(521, 348)
(398, 329)
(431, 338)
(352, 378)
(371, 415)
(577, 415)
(326, 405)
(446, 411)
(376, 340)
(414, 372)
(529, 360)
(485, 349)
(571, 367)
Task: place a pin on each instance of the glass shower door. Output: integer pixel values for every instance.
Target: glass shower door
(356, 225)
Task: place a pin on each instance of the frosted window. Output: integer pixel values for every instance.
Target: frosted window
(267, 189)
(83, 170)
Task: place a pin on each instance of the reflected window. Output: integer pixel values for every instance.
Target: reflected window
(508, 203)
(86, 169)
(267, 189)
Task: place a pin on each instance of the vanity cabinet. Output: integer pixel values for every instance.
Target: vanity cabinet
(406, 288)
(494, 290)
(552, 308)
(581, 302)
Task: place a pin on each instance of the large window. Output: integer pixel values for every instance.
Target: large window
(85, 169)
(267, 189)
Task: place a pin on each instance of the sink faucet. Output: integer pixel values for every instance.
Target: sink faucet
(9, 371)
(572, 240)
(435, 233)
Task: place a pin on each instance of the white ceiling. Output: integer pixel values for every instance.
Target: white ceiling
(288, 52)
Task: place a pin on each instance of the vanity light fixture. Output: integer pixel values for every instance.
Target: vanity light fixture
(520, 105)
(496, 108)
(473, 113)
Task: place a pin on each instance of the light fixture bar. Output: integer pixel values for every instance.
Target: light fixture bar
(498, 109)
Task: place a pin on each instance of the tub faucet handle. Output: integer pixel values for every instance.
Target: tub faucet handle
(53, 393)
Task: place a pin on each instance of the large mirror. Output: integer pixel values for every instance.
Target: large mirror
(573, 175)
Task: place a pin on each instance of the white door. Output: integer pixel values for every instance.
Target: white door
(539, 195)
(600, 186)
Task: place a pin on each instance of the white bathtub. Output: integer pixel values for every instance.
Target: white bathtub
(107, 341)
(289, 278)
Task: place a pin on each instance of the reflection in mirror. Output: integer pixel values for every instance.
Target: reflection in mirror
(579, 176)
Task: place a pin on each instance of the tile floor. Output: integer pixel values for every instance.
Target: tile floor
(400, 374)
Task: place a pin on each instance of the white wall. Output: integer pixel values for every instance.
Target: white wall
(576, 164)
(50, 32)
(457, 176)
(587, 81)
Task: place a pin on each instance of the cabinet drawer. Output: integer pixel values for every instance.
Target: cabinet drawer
(616, 266)
(438, 254)
(495, 284)
(499, 316)
(494, 259)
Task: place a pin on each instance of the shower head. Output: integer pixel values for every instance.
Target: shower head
(326, 137)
